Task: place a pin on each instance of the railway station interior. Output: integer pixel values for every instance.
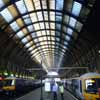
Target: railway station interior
(49, 42)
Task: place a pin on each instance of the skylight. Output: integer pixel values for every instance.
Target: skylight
(76, 8)
(45, 23)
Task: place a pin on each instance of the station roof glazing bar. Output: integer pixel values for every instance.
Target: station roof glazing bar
(45, 27)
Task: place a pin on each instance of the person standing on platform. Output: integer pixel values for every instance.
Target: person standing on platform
(54, 90)
(61, 90)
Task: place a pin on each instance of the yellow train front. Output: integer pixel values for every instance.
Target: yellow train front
(85, 87)
(91, 86)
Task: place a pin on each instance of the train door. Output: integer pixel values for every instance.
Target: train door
(91, 89)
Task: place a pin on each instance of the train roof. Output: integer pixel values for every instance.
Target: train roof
(91, 74)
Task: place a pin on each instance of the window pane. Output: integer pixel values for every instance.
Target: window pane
(21, 6)
(40, 16)
(67, 37)
(76, 8)
(1, 3)
(24, 40)
(69, 31)
(79, 26)
(30, 28)
(20, 34)
(72, 22)
(36, 26)
(33, 17)
(29, 5)
(52, 4)
(14, 26)
(59, 4)
(6, 15)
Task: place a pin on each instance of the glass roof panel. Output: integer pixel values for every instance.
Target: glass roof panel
(33, 35)
(27, 20)
(79, 26)
(6, 15)
(44, 4)
(31, 48)
(20, 22)
(45, 15)
(69, 31)
(20, 34)
(13, 10)
(38, 33)
(59, 4)
(37, 4)
(52, 16)
(72, 22)
(52, 4)
(24, 40)
(42, 25)
(21, 6)
(33, 17)
(28, 45)
(14, 26)
(1, 4)
(36, 26)
(48, 24)
(40, 16)
(76, 8)
(67, 37)
(30, 28)
(29, 5)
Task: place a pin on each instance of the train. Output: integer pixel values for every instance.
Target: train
(85, 87)
(12, 86)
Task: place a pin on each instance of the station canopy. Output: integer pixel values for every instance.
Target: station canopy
(47, 29)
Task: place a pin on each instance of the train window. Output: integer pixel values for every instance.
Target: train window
(91, 85)
(8, 82)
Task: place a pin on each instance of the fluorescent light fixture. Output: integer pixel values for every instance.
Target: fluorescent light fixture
(76, 8)
(6, 15)
(72, 22)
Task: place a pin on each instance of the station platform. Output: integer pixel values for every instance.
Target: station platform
(36, 94)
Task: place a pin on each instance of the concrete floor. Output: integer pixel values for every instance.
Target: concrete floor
(35, 95)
